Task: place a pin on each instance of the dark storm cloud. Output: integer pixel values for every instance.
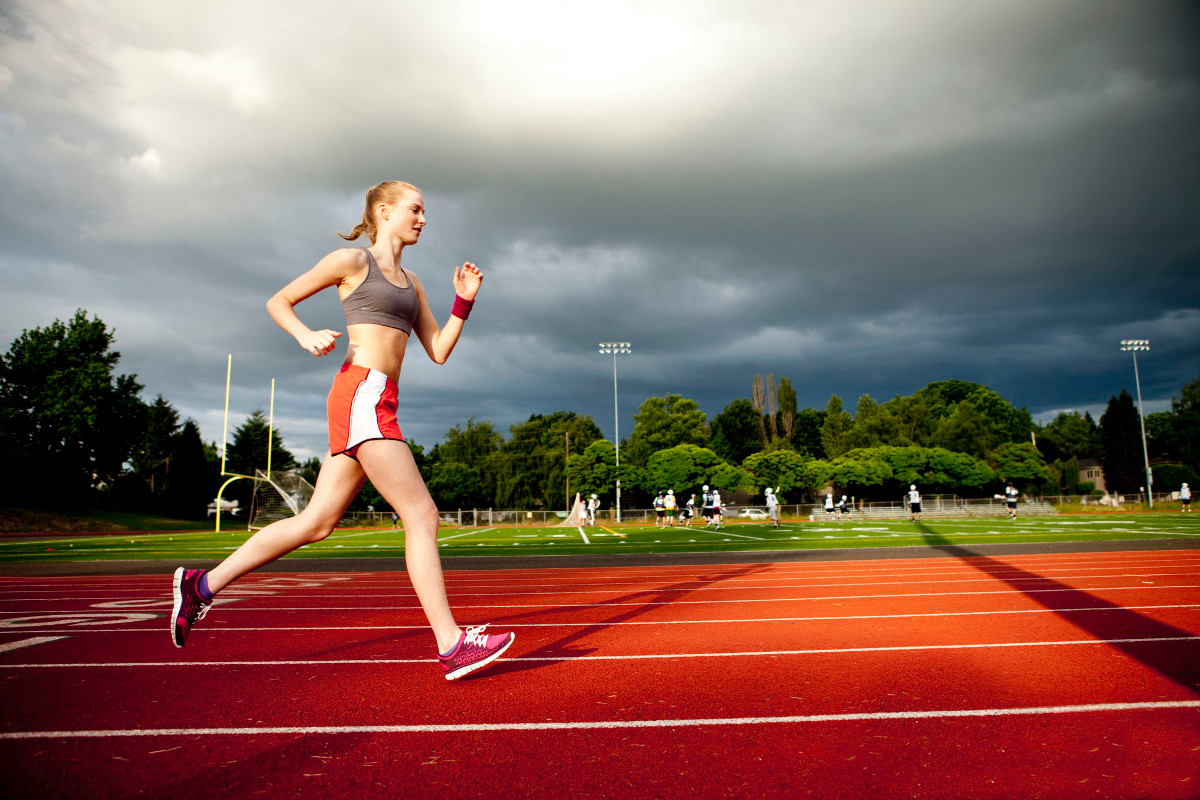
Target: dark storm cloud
(865, 197)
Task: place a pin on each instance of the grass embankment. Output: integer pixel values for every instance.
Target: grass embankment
(34, 522)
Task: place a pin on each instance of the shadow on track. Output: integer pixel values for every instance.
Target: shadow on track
(569, 646)
(1117, 622)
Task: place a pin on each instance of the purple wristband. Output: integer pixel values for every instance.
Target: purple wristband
(462, 308)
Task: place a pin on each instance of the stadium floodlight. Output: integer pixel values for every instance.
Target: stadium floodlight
(614, 349)
(1133, 346)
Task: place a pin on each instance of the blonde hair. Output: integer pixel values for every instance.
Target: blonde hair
(387, 192)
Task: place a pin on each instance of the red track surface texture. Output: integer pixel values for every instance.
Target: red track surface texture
(1035, 676)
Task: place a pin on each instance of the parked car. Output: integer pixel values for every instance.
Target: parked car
(752, 513)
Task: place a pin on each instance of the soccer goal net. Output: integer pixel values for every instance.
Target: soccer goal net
(277, 496)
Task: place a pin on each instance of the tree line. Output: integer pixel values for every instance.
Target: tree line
(78, 434)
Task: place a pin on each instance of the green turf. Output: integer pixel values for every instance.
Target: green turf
(751, 536)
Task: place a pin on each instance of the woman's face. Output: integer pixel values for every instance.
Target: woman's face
(405, 218)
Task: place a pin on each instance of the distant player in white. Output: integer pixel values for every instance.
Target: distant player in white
(1010, 500)
(669, 505)
(829, 503)
(772, 504)
(593, 503)
(716, 500)
(689, 511)
(660, 510)
(914, 503)
(843, 506)
(707, 508)
(1185, 499)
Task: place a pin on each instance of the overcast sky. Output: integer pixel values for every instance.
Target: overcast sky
(862, 196)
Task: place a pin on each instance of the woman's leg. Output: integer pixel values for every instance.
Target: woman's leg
(393, 472)
(338, 483)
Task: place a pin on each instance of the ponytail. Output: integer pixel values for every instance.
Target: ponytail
(386, 192)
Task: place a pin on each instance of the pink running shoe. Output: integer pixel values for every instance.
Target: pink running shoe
(475, 650)
(189, 606)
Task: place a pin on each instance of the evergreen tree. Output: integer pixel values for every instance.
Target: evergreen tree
(1121, 438)
(664, 422)
(735, 431)
(835, 429)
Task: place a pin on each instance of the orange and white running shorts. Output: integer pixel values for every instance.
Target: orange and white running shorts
(361, 406)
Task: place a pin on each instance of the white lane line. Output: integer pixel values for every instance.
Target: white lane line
(647, 603)
(603, 624)
(482, 727)
(460, 535)
(9, 646)
(586, 540)
(647, 587)
(629, 657)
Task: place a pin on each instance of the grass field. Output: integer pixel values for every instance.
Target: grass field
(198, 546)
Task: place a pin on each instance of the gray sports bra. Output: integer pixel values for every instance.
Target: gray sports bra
(378, 301)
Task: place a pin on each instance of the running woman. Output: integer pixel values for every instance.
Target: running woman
(384, 305)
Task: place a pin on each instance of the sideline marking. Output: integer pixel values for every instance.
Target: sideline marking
(610, 530)
(4, 648)
(632, 657)
(615, 724)
(586, 540)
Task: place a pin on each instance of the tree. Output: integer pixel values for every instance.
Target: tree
(1069, 434)
(782, 468)
(1121, 438)
(594, 471)
(787, 408)
(735, 431)
(664, 422)
(533, 465)
(68, 423)
(151, 458)
(1021, 463)
(967, 430)
(806, 436)
(475, 447)
(681, 468)
(1186, 409)
(248, 450)
(194, 476)
(835, 428)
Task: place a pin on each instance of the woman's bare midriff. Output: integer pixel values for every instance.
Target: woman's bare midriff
(377, 347)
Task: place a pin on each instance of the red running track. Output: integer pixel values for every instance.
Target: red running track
(1055, 676)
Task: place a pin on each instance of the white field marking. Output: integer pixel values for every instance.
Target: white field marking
(584, 535)
(725, 601)
(460, 535)
(73, 618)
(17, 645)
(602, 624)
(832, 651)
(486, 727)
(727, 533)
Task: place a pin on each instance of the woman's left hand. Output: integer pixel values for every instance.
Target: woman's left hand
(467, 280)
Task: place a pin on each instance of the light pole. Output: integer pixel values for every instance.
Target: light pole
(1132, 346)
(614, 349)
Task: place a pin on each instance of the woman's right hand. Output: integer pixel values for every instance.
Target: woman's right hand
(319, 342)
